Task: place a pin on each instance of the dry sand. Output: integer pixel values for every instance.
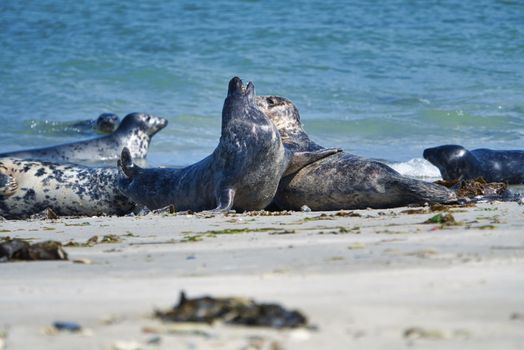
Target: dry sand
(375, 281)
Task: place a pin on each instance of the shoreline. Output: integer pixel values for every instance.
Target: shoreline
(365, 278)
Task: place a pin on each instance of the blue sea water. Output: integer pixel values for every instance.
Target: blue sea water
(381, 79)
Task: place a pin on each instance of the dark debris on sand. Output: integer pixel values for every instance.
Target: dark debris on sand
(18, 249)
(445, 219)
(236, 311)
(94, 240)
(477, 187)
(46, 214)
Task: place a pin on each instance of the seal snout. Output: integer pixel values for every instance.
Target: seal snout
(427, 153)
(250, 90)
(162, 122)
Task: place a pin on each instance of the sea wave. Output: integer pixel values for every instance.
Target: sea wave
(418, 168)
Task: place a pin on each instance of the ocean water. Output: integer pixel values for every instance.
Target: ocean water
(381, 79)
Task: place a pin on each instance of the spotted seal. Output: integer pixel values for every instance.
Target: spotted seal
(242, 173)
(134, 132)
(343, 180)
(28, 187)
(457, 163)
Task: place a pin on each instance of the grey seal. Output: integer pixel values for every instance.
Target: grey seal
(106, 123)
(28, 187)
(457, 163)
(242, 173)
(134, 132)
(343, 180)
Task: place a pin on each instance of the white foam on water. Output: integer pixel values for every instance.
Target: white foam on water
(417, 167)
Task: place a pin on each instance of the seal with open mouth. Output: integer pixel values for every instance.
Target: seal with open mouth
(242, 173)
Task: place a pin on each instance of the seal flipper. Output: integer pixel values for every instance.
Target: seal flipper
(125, 163)
(8, 185)
(225, 198)
(298, 160)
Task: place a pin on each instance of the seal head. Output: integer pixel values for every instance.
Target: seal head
(284, 114)
(149, 124)
(106, 123)
(454, 162)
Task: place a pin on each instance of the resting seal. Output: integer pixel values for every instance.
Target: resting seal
(457, 163)
(135, 133)
(343, 180)
(28, 187)
(242, 173)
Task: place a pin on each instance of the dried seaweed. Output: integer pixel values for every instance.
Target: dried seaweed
(476, 187)
(236, 231)
(94, 240)
(268, 213)
(237, 311)
(442, 218)
(46, 214)
(18, 249)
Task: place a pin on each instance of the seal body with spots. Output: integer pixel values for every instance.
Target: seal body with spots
(28, 187)
(343, 180)
(457, 163)
(134, 132)
(242, 173)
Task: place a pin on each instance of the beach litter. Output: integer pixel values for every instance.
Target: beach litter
(236, 311)
(18, 249)
(126, 345)
(67, 326)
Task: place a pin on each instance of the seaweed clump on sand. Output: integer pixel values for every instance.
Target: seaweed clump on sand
(236, 311)
(18, 249)
(445, 219)
(477, 187)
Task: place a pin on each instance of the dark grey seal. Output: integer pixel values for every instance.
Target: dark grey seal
(343, 180)
(135, 133)
(457, 163)
(28, 187)
(242, 173)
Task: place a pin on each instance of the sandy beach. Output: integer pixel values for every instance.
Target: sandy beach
(367, 279)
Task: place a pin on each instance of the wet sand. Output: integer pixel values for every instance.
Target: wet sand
(374, 279)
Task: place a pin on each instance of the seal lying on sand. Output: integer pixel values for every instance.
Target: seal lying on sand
(135, 133)
(242, 173)
(343, 180)
(28, 187)
(457, 163)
